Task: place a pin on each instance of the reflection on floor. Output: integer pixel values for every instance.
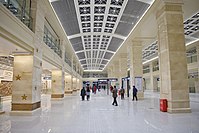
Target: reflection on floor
(72, 115)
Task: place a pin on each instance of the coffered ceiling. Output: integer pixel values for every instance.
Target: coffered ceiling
(97, 28)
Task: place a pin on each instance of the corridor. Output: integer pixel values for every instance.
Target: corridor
(72, 115)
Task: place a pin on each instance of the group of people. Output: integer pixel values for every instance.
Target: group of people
(86, 92)
(121, 92)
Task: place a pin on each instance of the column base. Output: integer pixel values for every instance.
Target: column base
(140, 95)
(69, 92)
(25, 106)
(25, 113)
(179, 110)
(57, 95)
(75, 92)
(179, 106)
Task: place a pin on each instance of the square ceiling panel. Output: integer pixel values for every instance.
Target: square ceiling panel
(83, 61)
(84, 10)
(98, 24)
(86, 25)
(117, 2)
(100, 1)
(108, 55)
(99, 9)
(77, 44)
(66, 13)
(83, 2)
(110, 25)
(85, 18)
(81, 55)
(114, 10)
(114, 44)
(104, 61)
(98, 18)
(111, 19)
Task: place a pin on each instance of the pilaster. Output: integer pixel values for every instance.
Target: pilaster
(57, 84)
(197, 82)
(172, 57)
(26, 93)
(135, 55)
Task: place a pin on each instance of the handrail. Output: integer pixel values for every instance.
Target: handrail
(19, 11)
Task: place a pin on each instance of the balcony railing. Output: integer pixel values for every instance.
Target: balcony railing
(52, 42)
(19, 10)
(192, 58)
(67, 60)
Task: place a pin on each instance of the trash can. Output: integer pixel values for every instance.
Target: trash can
(163, 105)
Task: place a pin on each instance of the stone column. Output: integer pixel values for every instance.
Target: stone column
(172, 56)
(136, 72)
(122, 67)
(116, 73)
(72, 74)
(110, 72)
(68, 89)
(153, 79)
(26, 93)
(74, 84)
(197, 80)
(58, 84)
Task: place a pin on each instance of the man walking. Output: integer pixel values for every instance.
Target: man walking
(114, 91)
(135, 93)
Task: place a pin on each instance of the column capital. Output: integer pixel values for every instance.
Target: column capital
(172, 1)
(174, 6)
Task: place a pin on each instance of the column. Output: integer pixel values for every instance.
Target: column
(116, 73)
(172, 56)
(122, 67)
(136, 72)
(74, 84)
(197, 80)
(153, 79)
(26, 93)
(110, 72)
(68, 89)
(58, 84)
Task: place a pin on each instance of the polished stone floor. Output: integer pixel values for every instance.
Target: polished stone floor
(98, 115)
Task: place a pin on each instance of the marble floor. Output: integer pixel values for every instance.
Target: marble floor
(71, 115)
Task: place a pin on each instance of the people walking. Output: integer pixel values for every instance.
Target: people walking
(114, 91)
(135, 93)
(83, 93)
(122, 91)
(88, 93)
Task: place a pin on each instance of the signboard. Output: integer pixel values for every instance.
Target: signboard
(6, 75)
(109, 79)
(138, 83)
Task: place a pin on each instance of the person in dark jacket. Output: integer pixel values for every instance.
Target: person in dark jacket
(83, 93)
(114, 91)
(135, 93)
(88, 93)
(122, 91)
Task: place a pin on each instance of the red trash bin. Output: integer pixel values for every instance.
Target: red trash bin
(163, 105)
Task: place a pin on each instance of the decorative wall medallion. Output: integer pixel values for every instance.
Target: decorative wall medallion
(24, 97)
(18, 77)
